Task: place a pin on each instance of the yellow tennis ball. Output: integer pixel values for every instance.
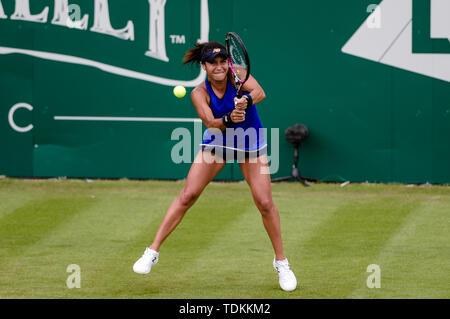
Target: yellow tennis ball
(179, 91)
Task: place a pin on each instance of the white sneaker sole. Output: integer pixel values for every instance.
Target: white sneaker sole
(141, 272)
(290, 288)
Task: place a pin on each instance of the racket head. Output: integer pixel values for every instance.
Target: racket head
(238, 59)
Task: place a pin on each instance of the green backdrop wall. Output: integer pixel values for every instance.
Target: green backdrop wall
(370, 83)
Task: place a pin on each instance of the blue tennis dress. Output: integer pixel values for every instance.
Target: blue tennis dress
(246, 136)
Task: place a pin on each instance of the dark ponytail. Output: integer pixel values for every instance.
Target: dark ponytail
(195, 54)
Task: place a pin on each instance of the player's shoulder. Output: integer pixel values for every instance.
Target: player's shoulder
(199, 91)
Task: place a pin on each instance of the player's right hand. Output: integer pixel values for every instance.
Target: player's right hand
(241, 103)
(237, 115)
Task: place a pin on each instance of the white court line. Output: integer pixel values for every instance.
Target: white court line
(126, 119)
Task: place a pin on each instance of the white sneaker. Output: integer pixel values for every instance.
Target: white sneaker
(288, 282)
(145, 263)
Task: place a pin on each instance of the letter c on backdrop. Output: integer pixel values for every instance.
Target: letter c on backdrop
(11, 117)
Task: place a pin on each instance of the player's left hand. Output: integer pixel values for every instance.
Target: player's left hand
(241, 103)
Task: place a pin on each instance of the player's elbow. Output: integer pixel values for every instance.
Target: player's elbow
(209, 123)
(261, 95)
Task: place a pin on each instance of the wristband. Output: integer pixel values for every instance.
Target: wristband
(226, 120)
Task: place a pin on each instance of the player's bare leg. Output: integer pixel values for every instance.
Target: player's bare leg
(198, 178)
(202, 171)
(259, 182)
(258, 178)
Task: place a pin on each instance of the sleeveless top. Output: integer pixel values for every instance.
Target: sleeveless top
(244, 136)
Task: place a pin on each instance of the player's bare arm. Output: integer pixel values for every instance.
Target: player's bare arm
(199, 97)
(256, 92)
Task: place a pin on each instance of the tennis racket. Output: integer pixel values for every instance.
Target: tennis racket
(238, 60)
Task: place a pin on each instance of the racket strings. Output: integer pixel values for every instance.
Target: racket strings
(238, 60)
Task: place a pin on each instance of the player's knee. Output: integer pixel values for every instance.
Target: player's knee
(265, 205)
(188, 197)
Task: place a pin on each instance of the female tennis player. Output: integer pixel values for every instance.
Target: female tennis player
(221, 111)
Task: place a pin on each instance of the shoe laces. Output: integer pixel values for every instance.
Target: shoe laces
(151, 256)
(283, 266)
(148, 253)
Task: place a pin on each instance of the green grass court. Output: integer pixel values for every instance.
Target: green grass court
(221, 250)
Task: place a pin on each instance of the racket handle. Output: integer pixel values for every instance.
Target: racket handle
(238, 96)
